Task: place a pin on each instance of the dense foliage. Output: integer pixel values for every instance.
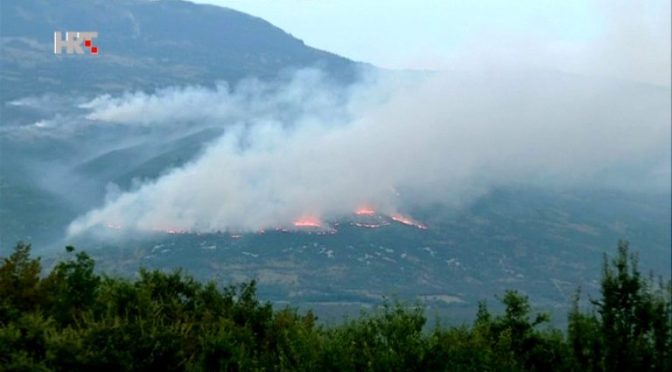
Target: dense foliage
(75, 319)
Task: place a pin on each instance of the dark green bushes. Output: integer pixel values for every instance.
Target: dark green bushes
(74, 319)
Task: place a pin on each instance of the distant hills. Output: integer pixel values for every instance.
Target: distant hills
(145, 44)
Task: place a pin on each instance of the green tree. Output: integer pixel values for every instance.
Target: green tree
(74, 319)
(630, 326)
(71, 287)
(517, 339)
(19, 283)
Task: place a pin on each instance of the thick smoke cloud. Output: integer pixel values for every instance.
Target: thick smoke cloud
(303, 146)
(308, 149)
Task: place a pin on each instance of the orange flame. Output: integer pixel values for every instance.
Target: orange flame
(407, 221)
(308, 222)
(365, 211)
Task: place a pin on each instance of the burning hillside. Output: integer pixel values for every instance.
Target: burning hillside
(363, 217)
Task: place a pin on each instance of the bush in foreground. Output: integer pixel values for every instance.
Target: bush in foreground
(75, 319)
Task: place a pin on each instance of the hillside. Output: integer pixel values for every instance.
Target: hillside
(143, 45)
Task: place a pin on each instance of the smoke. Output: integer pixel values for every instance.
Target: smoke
(636, 44)
(252, 99)
(618, 39)
(305, 148)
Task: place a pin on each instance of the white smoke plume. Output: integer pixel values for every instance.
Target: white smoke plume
(252, 100)
(305, 149)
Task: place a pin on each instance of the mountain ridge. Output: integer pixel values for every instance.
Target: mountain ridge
(147, 44)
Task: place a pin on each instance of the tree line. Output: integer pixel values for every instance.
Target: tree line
(75, 319)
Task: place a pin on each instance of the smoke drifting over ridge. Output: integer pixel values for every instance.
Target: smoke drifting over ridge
(308, 149)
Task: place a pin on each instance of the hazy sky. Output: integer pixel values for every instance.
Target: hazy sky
(436, 34)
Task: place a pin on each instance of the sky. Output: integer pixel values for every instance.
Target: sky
(619, 38)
